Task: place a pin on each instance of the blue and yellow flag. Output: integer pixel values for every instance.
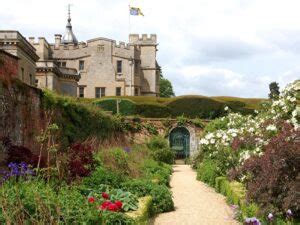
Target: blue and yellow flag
(134, 11)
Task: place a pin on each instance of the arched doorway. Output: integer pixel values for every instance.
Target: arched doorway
(180, 142)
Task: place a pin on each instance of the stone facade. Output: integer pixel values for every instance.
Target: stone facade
(49, 75)
(107, 68)
(14, 43)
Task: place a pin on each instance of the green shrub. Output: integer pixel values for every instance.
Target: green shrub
(161, 151)
(198, 122)
(35, 202)
(161, 195)
(126, 106)
(208, 171)
(152, 110)
(103, 176)
(157, 142)
(156, 171)
(165, 155)
(236, 194)
(217, 124)
(151, 129)
(116, 218)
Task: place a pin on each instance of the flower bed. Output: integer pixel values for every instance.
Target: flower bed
(261, 152)
(89, 187)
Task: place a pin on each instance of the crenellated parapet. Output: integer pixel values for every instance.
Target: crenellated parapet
(143, 39)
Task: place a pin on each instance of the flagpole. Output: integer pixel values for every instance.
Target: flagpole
(129, 22)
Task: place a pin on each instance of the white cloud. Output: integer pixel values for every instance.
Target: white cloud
(211, 47)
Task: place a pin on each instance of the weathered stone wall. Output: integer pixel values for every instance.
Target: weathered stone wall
(21, 116)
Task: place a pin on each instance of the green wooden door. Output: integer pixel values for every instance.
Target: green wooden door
(180, 142)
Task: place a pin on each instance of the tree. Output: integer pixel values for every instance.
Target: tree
(274, 90)
(165, 87)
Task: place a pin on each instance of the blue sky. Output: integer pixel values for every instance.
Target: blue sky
(206, 47)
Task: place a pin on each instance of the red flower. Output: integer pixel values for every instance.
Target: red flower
(105, 205)
(113, 207)
(91, 199)
(105, 195)
(119, 204)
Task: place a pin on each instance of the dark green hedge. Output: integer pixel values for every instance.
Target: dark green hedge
(152, 110)
(126, 106)
(193, 107)
(189, 106)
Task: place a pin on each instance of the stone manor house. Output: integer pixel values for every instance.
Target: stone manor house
(92, 69)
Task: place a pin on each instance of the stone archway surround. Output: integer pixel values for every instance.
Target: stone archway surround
(193, 138)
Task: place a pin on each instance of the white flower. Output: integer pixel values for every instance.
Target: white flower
(226, 108)
(294, 113)
(271, 128)
(251, 129)
(212, 141)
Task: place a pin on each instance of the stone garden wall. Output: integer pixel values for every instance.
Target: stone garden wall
(21, 116)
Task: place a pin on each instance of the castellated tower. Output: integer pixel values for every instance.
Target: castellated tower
(146, 48)
(97, 67)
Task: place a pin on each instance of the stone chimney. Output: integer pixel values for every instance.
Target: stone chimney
(31, 40)
(57, 40)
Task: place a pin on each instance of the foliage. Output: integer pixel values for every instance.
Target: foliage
(161, 196)
(156, 171)
(78, 121)
(208, 171)
(37, 202)
(151, 128)
(103, 176)
(142, 215)
(128, 199)
(165, 88)
(161, 151)
(271, 178)
(261, 151)
(126, 106)
(274, 90)
(236, 194)
(113, 218)
(217, 124)
(114, 159)
(16, 171)
(157, 142)
(80, 160)
(152, 110)
(19, 154)
(193, 107)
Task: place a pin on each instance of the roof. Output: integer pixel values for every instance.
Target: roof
(8, 54)
(69, 37)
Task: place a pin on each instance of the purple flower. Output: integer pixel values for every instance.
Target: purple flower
(16, 170)
(252, 221)
(127, 149)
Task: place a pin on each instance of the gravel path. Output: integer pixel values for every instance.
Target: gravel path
(195, 202)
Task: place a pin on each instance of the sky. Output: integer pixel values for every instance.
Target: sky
(206, 47)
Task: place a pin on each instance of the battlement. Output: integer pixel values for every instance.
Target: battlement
(143, 39)
(134, 39)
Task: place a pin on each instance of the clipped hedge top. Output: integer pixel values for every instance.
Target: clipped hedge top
(190, 105)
